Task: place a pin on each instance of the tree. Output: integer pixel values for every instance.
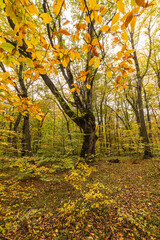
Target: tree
(36, 36)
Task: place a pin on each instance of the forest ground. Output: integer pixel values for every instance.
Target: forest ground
(48, 199)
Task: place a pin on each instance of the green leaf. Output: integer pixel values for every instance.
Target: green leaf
(7, 47)
(2, 5)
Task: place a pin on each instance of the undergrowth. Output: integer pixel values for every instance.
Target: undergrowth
(53, 198)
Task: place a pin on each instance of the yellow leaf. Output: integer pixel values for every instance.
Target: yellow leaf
(83, 79)
(109, 74)
(46, 18)
(99, 19)
(124, 47)
(125, 86)
(5, 75)
(41, 70)
(91, 61)
(72, 56)
(65, 61)
(86, 48)
(92, 3)
(34, 40)
(105, 28)
(114, 28)
(95, 42)
(25, 2)
(32, 9)
(96, 8)
(56, 9)
(29, 44)
(133, 3)
(31, 25)
(28, 74)
(130, 51)
(88, 86)
(77, 55)
(21, 59)
(103, 10)
(39, 117)
(133, 23)
(121, 6)
(115, 18)
(124, 36)
(73, 90)
(97, 62)
(39, 56)
(29, 62)
(78, 90)
(119, 54)
(87, 19)
(135, 10)
(76, 36)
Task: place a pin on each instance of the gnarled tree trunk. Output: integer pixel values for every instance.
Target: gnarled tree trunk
(89, 138)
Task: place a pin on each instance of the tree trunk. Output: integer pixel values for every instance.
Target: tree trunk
(143, 129)
(89, 137)
(26, 138)
(14, 140)
(145, 139)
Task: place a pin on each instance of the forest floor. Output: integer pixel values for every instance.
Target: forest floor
(110, 201)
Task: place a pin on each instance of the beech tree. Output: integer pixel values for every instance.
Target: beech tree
(68, 54)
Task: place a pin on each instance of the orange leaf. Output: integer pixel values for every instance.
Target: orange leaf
(124, 74)
(118, 79)
(66, 22)
(141, 3)
(63, 31)
(127, 21)
(88, 38)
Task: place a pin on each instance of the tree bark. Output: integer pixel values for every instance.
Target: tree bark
(89, 137)
(143, 129)
(26, 137)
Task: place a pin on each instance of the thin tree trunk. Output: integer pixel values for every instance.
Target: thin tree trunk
(143, 129)
(26, 138)
(14, 140)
